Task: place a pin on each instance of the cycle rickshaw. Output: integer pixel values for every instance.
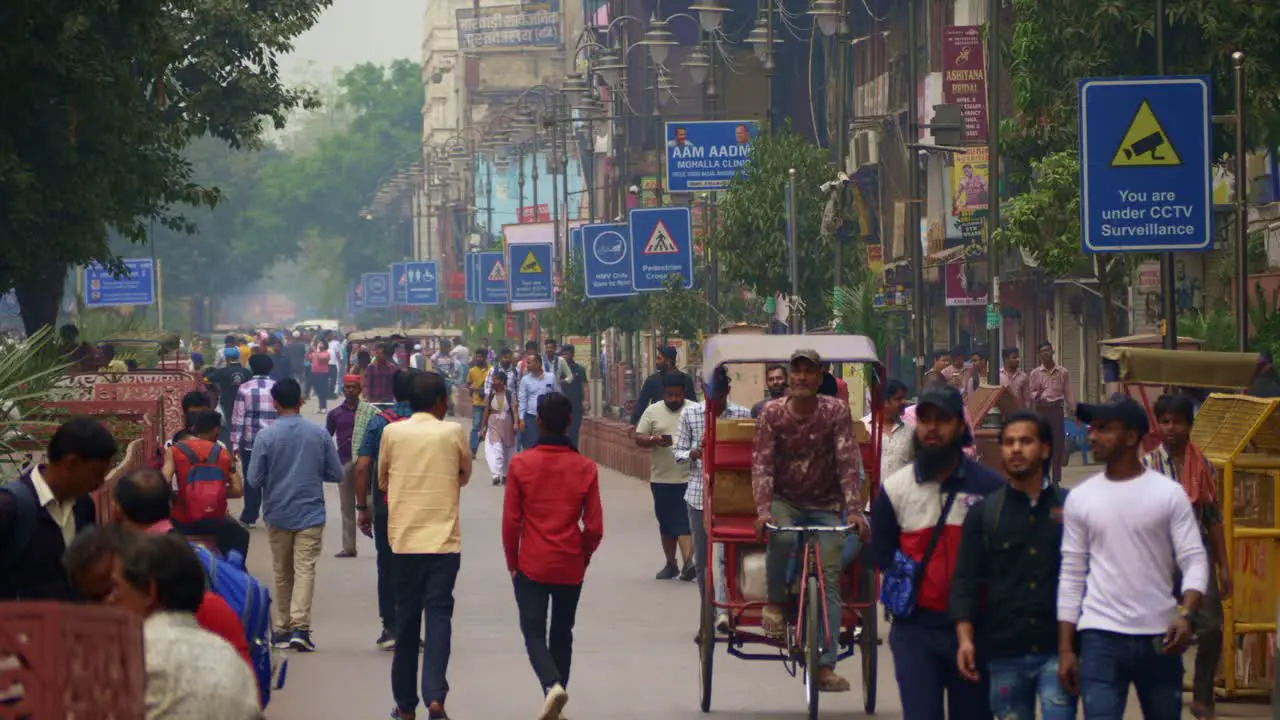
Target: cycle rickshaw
(730, 516)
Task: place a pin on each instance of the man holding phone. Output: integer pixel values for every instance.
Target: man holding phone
(668, 479)
(1125, 531)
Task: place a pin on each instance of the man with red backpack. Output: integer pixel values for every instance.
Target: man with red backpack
(205, 476)
(375, 524)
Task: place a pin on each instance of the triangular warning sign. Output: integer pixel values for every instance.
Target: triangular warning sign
(660, 242)
(531, 265)
(1145, 143)
(499, 273)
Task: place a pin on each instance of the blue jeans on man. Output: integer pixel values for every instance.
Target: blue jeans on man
(252, 495)
(1019, 683)
(778, 557)
(477, 414)
(1110, 662)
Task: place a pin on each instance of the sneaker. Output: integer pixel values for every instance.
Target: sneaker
(345, 554)
(280, 639)
(248, 525)
(301, 641)
(689, 573)
(386, 641)
(554, 703)
(497, 481)
(668, 572)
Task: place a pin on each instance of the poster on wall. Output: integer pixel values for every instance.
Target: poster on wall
(970, 196)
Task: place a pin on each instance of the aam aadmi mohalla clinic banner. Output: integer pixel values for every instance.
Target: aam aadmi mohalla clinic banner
(705, 155)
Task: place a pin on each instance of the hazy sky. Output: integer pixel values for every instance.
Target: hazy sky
(354, 31)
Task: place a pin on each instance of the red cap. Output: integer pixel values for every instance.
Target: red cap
(350, 379)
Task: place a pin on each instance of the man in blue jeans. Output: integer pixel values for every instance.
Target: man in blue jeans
(1125, 531)
(1005, 587)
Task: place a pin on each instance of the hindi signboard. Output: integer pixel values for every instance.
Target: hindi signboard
(504, 27)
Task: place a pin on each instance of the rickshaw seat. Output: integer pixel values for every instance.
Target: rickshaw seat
(733, 528)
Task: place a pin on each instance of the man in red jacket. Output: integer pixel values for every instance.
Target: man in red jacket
(550, 489)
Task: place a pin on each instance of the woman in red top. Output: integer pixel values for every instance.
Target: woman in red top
(550, 490)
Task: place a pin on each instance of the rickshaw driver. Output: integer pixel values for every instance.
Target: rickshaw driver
(807, 470)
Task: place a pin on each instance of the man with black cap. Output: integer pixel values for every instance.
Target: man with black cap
(916, 525)
(1125, 531)
(573, 385)
(806, 470)
(652, 390)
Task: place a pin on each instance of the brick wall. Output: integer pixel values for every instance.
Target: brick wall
(609, 443)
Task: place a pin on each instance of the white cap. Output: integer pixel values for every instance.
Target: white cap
(297, 334)
(634, 189)
(417, 346)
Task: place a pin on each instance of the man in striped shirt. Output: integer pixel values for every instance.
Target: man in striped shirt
(688, 450)
(253, 412)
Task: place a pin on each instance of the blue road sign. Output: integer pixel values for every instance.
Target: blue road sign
(138, 287)
(399, 290)
(467, 290)
(475, 278)
(493, 278)
(706, 155)
(529, 273)
(606, 266)
(422, 283)
(377, 289)
(1145, 175)
(661, 246)
(355, 295)
(575, 244)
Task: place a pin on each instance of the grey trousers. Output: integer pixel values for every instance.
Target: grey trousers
(347, 498)
(700, 557)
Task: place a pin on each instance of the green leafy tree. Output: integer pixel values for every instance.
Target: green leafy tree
(750, 240)
(855, 304)
(104, 98)
(675, 311)
(1044, 223)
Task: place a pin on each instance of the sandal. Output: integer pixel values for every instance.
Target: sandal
(832, 683)
(773, 622)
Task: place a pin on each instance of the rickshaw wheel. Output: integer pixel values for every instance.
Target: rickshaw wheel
(706, 652)
(812, 639)
(870, 649)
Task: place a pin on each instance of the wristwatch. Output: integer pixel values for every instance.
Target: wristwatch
(362, 508)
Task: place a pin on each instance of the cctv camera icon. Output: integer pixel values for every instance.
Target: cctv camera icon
(1147, 145)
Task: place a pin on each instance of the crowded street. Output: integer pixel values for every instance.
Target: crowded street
(633, 650)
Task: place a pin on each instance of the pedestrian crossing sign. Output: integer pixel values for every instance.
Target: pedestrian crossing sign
(1145, 143)
(660, 242)
(531, 266)
(499, 273)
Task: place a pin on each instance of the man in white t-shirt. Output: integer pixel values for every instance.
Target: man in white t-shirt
(1126, 531)
(335, 364)
(668, 480)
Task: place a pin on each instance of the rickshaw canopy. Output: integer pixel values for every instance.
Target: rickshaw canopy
(1203, 369)
(400, 333)
(721, 349)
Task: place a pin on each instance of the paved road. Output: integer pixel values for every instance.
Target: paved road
(634, 655)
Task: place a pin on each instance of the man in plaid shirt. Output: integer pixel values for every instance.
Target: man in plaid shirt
(254, 411)
(687, 449)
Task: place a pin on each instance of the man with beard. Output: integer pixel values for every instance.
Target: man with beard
(1126, 531)
(653, 389)
(668, 480)
(505, 366)
(1006, 581)
(806, 470)
(916, 521)
(775, 381)
(573, 383)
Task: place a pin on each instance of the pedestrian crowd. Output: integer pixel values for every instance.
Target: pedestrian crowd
(1006, 592)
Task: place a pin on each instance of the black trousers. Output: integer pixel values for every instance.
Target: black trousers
(423, 583)
(386, 587)
(550, 653)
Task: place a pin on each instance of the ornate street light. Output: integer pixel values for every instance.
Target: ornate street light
(574, 87)
(698, 63)
(658, 39)
(610, 68)
(710, 14)
(758, 39)
(826, 15)
(665, 86)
